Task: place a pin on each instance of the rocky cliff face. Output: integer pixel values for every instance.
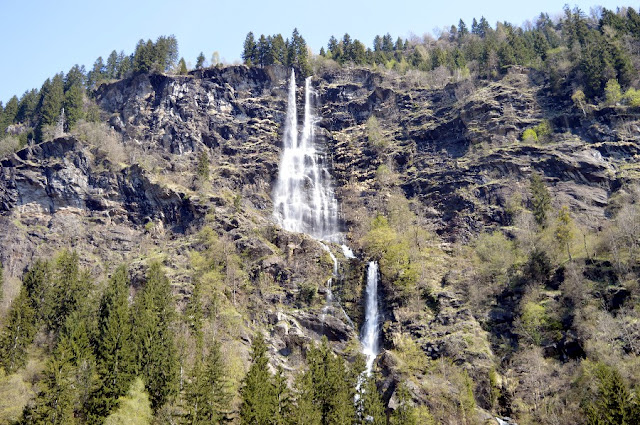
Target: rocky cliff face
(455, 151)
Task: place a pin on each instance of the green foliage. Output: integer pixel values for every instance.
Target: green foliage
(564, 229)
(114, 346)
(52, 101)
(69, 286)
(613, 92)
(612, 402)
(200, 61)
(259, 403)
(202, 168)
(404, 413)
(182, 67)
(18, 333)
(332, 389)
(632, 97)
(160, 56)
(134, 408)
(529, 135)
(393, 253)
(207, 394)
(372, 408)
(580, 101)
(533, 321)
(156, 355)
(540, 200)
(496, 255)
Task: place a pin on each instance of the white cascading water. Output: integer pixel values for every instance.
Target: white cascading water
(304, 199)
(370, 337)
(304, 202)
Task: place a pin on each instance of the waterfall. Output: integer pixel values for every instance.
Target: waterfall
(304, 199)
(304, 202)
(370, 331)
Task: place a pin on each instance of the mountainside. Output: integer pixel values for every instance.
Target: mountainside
(476, 324)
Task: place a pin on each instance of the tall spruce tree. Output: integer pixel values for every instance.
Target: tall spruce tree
(113, 347)
(371, 406)
(540, 199)
(18, 333)
(207, 395)
(156, 355)
(250, 50)
(259, 402)
(200, 61)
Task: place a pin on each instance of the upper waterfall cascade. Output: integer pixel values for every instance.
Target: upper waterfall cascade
(304, 200)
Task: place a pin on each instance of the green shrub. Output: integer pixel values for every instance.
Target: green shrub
(529, 135)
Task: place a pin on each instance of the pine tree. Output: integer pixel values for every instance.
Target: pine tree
(250, 50)
(69, 286)
(52, 101)
(143, 57)
(207, 395)
(306, 410)
(156, 356)
(164, 53)
(18, 333)
(202, 169)
(462, 29)
(97, 73)
(258, 396)
(540, 199)
(113, 347)
(372, 408)
(403, 414)
(613, 403)
(283, 398)
(182, 67)
(73, 106)
(111, 69)
(200, 61)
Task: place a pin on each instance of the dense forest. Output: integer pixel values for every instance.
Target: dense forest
(517, 302)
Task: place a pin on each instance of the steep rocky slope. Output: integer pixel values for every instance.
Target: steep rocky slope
(454, 151)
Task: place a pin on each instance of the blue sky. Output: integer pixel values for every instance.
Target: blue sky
(43, 37)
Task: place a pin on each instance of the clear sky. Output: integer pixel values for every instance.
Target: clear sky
(43, 37)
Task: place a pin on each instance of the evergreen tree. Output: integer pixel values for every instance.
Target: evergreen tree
(73, 106)
(200, 61)
(403, 414)
(69, 287)
(165, 53)
(111, 69)
(462, 29)
(202, 169)
(278, 50)
(250, 51)
(28, 106)
(113, 347)
(263, 51)
(259, 402)
(333, 390)
(372, 408)
(540, 199)
(156, 356)
(124, 65)
(18, 333)
(97, 73)
(207, 395)
(143, 57)
(306, 410)
(613, 403)
(282, 397)
(54, 404)
(9, 115)
(182, 67)
(52, 101)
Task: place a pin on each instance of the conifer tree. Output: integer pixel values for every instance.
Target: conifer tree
(113, 346)
(73, 106)
(306, 410)
(52, 101)
(97, 73)
(258, 396)
(250, 50)
(540, 199)
(156, 356)
(283, 398)
(111, 69)
(54, 404)
(69, 286)
(182, 67)
(403, 414)
(613, 403)
(18, 333)
(200, 61)
(372, 408)
(207, 395)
